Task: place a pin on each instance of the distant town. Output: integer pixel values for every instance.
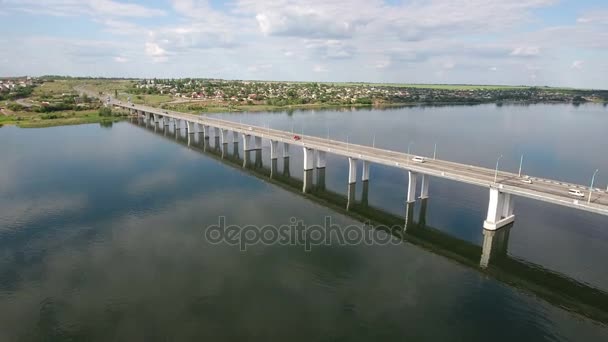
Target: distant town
(56, 100)
(289, 93)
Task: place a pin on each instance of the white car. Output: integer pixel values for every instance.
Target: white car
(249, 128)
(575, 192)
(526, 180)
(418, 159)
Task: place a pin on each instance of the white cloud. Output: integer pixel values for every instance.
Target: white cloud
(121, 59)
(319, 68)
(382, 64)
(595, 17)
(259, 67)
(577, 64)
(157, 53)
(107, 8)
(448, 65)
(525, 51)
(467, 41)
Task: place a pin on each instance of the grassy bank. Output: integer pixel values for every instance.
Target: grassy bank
(37, 120)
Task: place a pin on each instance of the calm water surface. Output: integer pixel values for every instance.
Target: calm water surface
(102, 233)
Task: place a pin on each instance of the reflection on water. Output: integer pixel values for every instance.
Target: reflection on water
(101, 238)
(554, 287)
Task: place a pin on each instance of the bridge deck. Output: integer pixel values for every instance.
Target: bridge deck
(541, 189)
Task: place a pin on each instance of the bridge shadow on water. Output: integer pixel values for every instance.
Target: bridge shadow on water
(491, 259)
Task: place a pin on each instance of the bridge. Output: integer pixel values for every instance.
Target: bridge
(491, 258)
(502, 185)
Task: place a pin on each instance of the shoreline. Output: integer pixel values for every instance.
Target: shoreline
(29, 121)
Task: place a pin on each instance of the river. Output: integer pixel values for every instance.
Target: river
(103, 233)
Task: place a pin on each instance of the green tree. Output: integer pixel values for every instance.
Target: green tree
(105, 111)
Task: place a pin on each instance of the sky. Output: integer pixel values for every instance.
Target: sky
(517, 42)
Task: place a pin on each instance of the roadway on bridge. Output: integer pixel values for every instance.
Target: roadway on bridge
(540, 189)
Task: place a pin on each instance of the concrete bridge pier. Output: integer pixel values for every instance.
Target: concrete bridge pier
(365, 173)
(422, 216)
(257, 142)
(235, 136)
(200, 129)
(258, 159)
(320, 184)
(352, 170)
(224, 150)
(235, 148)
(350, 195)
(285, 150)
(273, 167)
(308, 168)
(495, 245)
(365, 193)
(216, 143)
(411, 187)
(307, 185)
(206, 132)
(424, 186)
(409, 216)
(190, 127)
(224, 136)
(321, 160)
(308, 158)
(156, 118)
(500, 210)
(246, 158)
(216, 132)
(286, 169)
(246, 142)
(166, 121)
(274, 145)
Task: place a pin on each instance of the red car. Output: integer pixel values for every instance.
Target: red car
(296, 137)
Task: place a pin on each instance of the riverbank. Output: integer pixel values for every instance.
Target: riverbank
(194, 108)
(39, 120)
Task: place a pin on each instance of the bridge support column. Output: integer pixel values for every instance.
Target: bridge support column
(216, 132)
(500, 210)
(411, 187)
(352, 170)
(190, 127)
(200, 128)
(273, 149)
(257, 142)
(495, 245)
(235, 137)
(424, 187)
(224, 136)
(156, 118)
(308, 158)
(321, 159)
(246, 142)
(285, 150)
(206, 132)
(365, 173)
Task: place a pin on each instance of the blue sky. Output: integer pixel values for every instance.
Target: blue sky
(532, 42)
